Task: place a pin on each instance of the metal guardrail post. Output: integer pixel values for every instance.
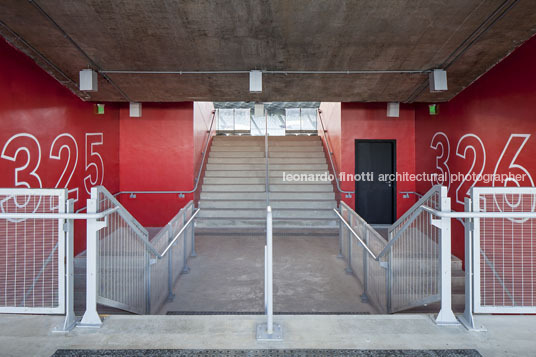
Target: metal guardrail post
(341, 226)
(467, 319)
(171, 296)
(148, 264)
(348, 269)
(186, 268)
(445, 315)
(364, 296)
(70, 318)
(193, 253)
(91, 317)
(269, 331)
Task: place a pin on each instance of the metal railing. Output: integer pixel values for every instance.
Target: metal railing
(412, 268)
(330, 155)
(415, 269)
(125, 269)
(362, 247)
(269, 331)
(266, 160)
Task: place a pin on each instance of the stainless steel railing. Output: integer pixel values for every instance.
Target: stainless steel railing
(362, 247)
(266, 160)
(125, 269)
(330, 155)
(415, 255)
(412, 268)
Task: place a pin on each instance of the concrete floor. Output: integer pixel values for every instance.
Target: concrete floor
(228, 276)
(33, 336)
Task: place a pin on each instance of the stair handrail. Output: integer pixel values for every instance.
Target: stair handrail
(141, 232)
(330, 155)
(198, 177)
(412, 210)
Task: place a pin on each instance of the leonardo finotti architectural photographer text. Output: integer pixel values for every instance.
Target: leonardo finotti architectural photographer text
(403, 177)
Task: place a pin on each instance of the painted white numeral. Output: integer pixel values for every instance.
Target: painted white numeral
(66, 143)
(94, 161)
(473, 143)
(441, 141)
(25, 175)
(507, 165)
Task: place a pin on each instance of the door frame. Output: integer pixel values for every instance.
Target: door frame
(356, 168)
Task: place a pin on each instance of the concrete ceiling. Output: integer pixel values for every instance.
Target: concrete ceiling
(466, 37)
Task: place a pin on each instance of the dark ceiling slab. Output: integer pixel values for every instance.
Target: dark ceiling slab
(283, 35)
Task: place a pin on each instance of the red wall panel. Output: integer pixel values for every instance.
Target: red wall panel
(54, 133)
(487, 128)
(370, 121)
(157, 153)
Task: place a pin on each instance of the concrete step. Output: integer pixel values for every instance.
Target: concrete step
(273, 167)
(230, 148)
(258, 180)
(261, 204)
(270, 138)
(279, 148)
(261, 173)
(244, 222)
(260, 231)
(233, 188)
(252, 143)
(236, 154)
(325, 187)
(262, 195)
(272, 161)
(296, 154)
(305, 214)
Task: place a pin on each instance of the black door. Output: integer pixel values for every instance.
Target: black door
(375, 196)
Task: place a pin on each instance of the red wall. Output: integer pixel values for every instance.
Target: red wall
(156, 153)
(495, 116)
(41, 121)
(370, 121)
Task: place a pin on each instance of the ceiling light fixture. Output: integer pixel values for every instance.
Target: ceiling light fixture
(88, 80)
(438, 80)
(135, 110)
(255, 81)
(393, 110)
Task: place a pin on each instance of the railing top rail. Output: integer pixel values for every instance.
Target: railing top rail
(140, 231)
(455, 214)
(330, 155)
(129, 219)
(59, 215)
(365, 246)
(435, 189)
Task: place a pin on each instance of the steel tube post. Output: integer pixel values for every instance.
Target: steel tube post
(193, 253)
(147, 282)
(91, 317)
(70, 318)
(185, 269)
(349, 237)
(467, 319)
(269, 331)
(171, 296)
(341, 226)
(445, 316)
(270, 312)
(364, 296)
